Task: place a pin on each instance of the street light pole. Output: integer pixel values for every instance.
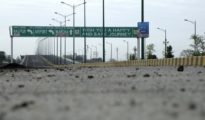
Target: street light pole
(85, 41)
(110, 51)
(193, 22)
(127, 49)
(117, 50)
(53, 46)
(96, 50)
(57, 41)
(73, 6)
(165, 42)
(65, 21)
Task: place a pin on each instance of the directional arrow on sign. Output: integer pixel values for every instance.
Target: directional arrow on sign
(30, 31)
(52, 32)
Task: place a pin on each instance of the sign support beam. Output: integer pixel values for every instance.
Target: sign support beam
(143, 39)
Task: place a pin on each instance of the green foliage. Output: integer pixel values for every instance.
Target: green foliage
(132, 57)
(198, 47)
(2, 56)
(169, 52)
(150, 51)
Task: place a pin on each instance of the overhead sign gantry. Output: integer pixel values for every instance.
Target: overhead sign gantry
(93, 32)
(45, 31)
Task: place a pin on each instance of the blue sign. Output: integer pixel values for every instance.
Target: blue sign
(144, 29)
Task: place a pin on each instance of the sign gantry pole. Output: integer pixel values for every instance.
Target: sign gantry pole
(103, 31)
(11, 36)
(143, 39)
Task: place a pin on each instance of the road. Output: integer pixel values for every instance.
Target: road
(35, 61)
(118, 93)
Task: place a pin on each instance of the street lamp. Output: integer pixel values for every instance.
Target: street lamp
(65, 20)
(165, 42)
(117, 50)
(127, 49)
(60, 22)
(91, 51)
(193, 22)
(53, 46)
(96, 50)
(110, 51)
(73, 6)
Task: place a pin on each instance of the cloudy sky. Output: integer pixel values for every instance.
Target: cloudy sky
(167, 14)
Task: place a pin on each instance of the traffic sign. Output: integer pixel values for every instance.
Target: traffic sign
(144, 29)
(47, 31)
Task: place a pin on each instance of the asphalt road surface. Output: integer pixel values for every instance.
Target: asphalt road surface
(128, 93)
(34, 61)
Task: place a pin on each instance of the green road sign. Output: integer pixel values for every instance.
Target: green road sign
(45, 31)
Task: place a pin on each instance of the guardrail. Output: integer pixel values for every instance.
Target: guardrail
(189, 61)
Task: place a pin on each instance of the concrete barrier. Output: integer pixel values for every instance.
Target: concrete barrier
(189, 61)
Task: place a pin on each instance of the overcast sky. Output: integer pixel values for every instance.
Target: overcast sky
(169, 14)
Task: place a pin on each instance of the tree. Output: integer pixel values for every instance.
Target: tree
(169, 52)
(134, 55)
(198, 47)
(2, 56)
(150, 51)
(187, 53)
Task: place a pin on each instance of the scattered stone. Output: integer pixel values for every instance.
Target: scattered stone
(27, 70)
(12, 66)
(199, 72)
(45, 70)
(182, 89)
(38, 78)
(76, 76)
(66, 108)
(175, 105)
(22, 105)
(173, 114)
(117, 103)
(12, 75)
(2, 115)
(129, 76)
(119, 83)
(146, 75)
(51, 75)
(159, 75)
(202, 113)
(192, 106)
(21, 86)
(133, 88)
(90, 76)
(201, 80)
(133, 103)
(180, 68)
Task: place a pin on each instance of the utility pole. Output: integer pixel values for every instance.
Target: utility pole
(85, 41)
(103, 31)
(117, 50)
(143, 40)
